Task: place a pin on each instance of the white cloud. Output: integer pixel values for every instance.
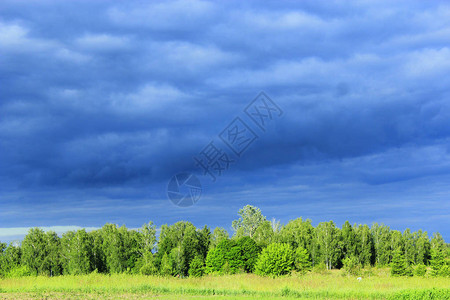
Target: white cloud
(15, 39)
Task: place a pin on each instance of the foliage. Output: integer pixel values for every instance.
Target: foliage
(147, 267)
(19, 271)
(196, 268)
(277, 259)
(301, 260)
(328, 238)
(439, 265)
(35, 252)
(248, 252)
(166, 266)
(399, 266)
(352, 266)
(113, 249)
(250, 218)
(219, 234)
(420, 270)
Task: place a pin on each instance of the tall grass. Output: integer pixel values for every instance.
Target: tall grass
(331, 285)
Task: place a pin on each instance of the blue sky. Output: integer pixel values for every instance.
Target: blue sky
(102, 102)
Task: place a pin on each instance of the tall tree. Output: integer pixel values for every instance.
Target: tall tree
(219, 234)
(53, 258)
(114, 248)
(408, 246)
(381, 238)
(399, 266)
(328, 239)
(438, 253)
(422, 247)
(250, 218)
(76, 252)
(365, 245)
(35, 251)
(299, 234)
(264, 234)
(349, 241)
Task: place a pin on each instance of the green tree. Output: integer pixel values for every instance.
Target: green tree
(34, 251)
(328, 240)
(365, 248)
(166, 266)
(248, 253)
(409, 246)
(98, 256)
(146, 240)
(351, 265)
(381, 239)
(9, 258)
(301, 260)
(399, 266)
(349, 240)
(76, 252)
(277, 259)
(196, 267)
(438, 252)
(53, 258)
(264, 234)
(420, 270)
(422, 247)
(113, 248)
(226, 258)
(219, 234)
(146, 265)
(182, 242)
(204, 241)
(298, 233)
(250, 218)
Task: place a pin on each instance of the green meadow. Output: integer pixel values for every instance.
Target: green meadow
(326, 285)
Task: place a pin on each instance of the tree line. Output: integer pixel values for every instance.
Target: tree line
(257, 246)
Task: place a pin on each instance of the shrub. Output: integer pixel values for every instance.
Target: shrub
(420, 270)
(19, 271)
(277, 259)
(352, 266)
(321, 268)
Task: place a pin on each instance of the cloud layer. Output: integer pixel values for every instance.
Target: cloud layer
(102, 102)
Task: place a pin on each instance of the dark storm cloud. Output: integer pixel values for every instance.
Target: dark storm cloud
(99, 94)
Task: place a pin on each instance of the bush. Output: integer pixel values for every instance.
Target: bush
(196, 267)
(351, 266)
(277, 259)
(420, 270)
(321, 268)
(19, 271)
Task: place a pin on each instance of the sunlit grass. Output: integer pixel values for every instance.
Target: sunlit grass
(310, 286)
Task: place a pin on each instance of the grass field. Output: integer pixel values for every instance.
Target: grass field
(330, 285)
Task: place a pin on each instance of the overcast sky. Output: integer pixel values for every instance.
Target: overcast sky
(102, 102)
